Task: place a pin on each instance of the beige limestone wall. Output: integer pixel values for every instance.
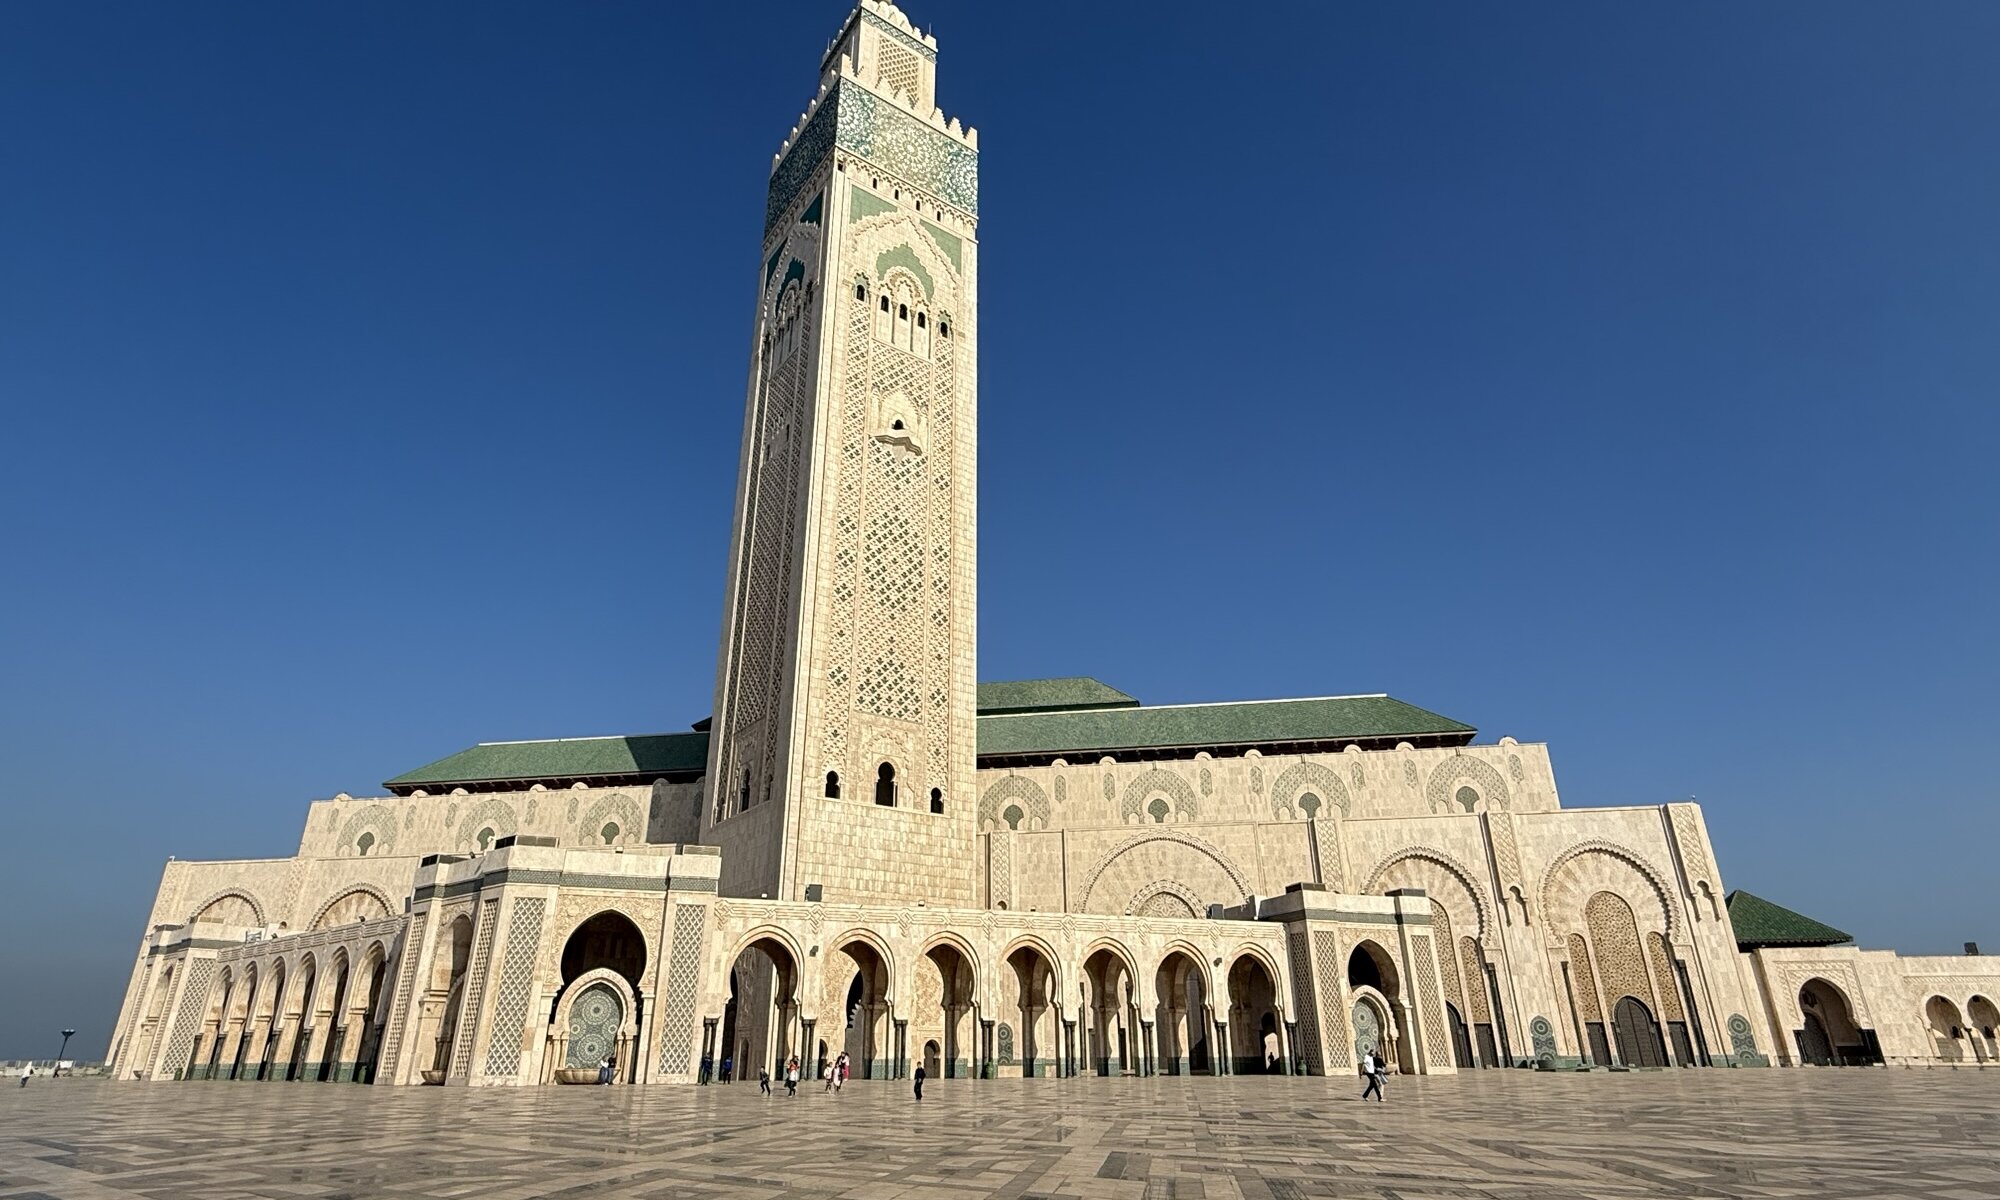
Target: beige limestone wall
(1509, 776)
(414, 826)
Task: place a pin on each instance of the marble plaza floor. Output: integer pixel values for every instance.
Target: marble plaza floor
(1824, 1133)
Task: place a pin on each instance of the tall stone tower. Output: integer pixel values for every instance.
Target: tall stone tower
(842, 747)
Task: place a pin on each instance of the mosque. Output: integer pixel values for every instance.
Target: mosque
(865, 850)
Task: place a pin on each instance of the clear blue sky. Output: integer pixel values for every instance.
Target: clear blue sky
(1616, 376)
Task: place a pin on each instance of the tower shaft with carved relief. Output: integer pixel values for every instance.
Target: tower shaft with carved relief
(844, 711)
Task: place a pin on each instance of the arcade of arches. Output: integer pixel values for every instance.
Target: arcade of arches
(866, 851)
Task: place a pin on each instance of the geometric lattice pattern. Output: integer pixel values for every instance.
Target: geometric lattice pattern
(1326, 954)
(392, 1041)
(510, 1013)
(194, 997)
(683, 980)
(1615, 938)
(1300, 962)
(1434, 1035)
(475, 991)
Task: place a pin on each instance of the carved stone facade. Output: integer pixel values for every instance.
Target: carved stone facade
(844, 873)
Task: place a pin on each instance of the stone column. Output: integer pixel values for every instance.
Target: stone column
(281, 1054)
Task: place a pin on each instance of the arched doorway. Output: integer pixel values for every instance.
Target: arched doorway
(1371, 969)
(443, 996)
(763, 1011)
(1461, 1037)
(1182, 1016)
(299, 1022)
(1032, 980)
(1372, 1030)
(933, 1058)
(608, 940)
(1829, 1036)
(1947, 1028)
(952, 970)
(1109, 1016)
(1638, 1035)
(338, 1051)
(1985, 1018)
(370, 1014)
(207, 1053)
(857, 988)
(607, 944)
(1253, 1018)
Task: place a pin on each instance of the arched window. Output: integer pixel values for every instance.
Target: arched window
(1467, 799)
(1158, 809)
(743, 797)
(860, 291)
(609, 833)
(363, 844)
(833, 785)
(885, 785)
(885, 303)
(1013, 816)
(937, 800)
(1309, 805)
(486, 838)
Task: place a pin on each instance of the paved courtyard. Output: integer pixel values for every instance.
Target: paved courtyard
(1860, 1133)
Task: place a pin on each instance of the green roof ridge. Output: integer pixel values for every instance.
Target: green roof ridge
(1065, 693)
(1031, 718)
(1760, 923)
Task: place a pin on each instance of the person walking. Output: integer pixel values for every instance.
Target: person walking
(763, 1081)
(919, 1077)
(27, 1073)
(707, 1067)
(1371, 1066)
(840, 1072)
(826, 1073)
(728, 1068)
(792, 1076)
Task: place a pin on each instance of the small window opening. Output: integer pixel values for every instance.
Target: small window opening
(1158, 809)
(364, 844)
(885, 304)
(486, 838)
(902, 312)
(743, 797)
(1013, 816)
(609, 833)
(937, 800)
(944, 328)
(885, 786)
(1309, 804)
(1467, 799)
(920, 320)
(860, 291)
(833, 785)
(896, 424)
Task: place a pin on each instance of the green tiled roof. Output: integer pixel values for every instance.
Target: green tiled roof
(649, 755)
(1092, 718)
(1760, 923)
(1041, 695)
(1261, 722)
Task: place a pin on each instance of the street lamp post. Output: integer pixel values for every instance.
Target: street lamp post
(67, 1035)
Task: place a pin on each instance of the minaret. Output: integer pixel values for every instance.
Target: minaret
(843, 738)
